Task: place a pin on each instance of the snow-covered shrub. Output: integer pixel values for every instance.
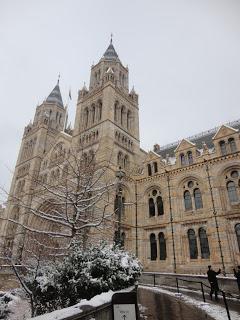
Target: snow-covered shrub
(6, 299)
(83, 274)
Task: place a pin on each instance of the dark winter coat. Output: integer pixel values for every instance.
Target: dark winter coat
(212, 275)
(237, 275)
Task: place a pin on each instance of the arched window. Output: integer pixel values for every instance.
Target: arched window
(116, 111)
(190, 157)
(153, 246)
(193, 250)
(182, 159)
(187, 200)
(149, 169)
(160, 206)
(99, 110)
(151, 206)
(120, 159)
(232, 144)
(129, 120)
(86, 118)
(93, 113)
(232, 192)
(155, 167)
(162, 246)
(198, 199)
(122, 115)
(223, 149)
(126, 162)
(205, 253)
(237, 230)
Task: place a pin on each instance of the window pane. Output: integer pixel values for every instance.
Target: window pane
(232, 191)
(160, 206)
(190, 157)
(153, 246)
(198, 199)
(193, 250)
(151, 207)
(149, 170)
(187, 200)
(162, 247)
(232, 144)
(205, 253)
(223, 147)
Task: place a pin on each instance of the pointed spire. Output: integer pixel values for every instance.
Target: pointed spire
(55, 96)
(110, 53)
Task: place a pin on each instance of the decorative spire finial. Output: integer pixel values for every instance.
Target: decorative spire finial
(58, 78)
(111, 38)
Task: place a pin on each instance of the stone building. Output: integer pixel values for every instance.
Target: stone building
(181, 202)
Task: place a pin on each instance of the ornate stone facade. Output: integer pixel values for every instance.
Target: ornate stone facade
(181, 202)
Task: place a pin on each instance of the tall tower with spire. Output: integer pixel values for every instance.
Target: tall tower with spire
(107, 113)
(38, 137)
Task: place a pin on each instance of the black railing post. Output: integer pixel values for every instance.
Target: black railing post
(177, 285)
(203, 295)
(154, 279)
(226, 305)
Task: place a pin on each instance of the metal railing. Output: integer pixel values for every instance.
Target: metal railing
(203, 293)
(202, 285)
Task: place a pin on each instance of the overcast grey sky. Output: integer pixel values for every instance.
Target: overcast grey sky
(183, 57)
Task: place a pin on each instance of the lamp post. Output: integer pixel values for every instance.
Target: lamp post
(119, 175)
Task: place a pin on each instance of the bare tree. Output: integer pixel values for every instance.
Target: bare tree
(63, 203)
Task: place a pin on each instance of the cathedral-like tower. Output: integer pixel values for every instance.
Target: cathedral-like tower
(38, 138)
(107, 113)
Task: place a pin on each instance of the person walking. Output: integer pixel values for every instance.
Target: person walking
(237, 275)
(212, 278)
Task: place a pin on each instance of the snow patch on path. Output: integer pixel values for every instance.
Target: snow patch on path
(216, 312)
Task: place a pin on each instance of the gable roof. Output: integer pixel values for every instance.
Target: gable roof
(224, 131)
(198, 139)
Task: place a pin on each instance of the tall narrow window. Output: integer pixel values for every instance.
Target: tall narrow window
(232, 144)
(116, 111)
(151, 206)
(182, 159)
(86, 118)
(232, 192)
(93, 113)
(187, 200)
(223, 148)
(190, 157)
(129, 120)
(153, 246)
(160, 206)
(205, 253)
(162, 246)
(155, 167)
(237, 230)
(122, 115)
(116, 204)
(193, 250)
(99, 110)
(149, 169)
(198, 199)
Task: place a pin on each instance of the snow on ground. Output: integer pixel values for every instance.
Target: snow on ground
(18, 306)
(214, 311)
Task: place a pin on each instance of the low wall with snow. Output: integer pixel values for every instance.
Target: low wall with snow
(98, 308)
(227, 284)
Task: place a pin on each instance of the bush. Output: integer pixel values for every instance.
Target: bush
(83, 274)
